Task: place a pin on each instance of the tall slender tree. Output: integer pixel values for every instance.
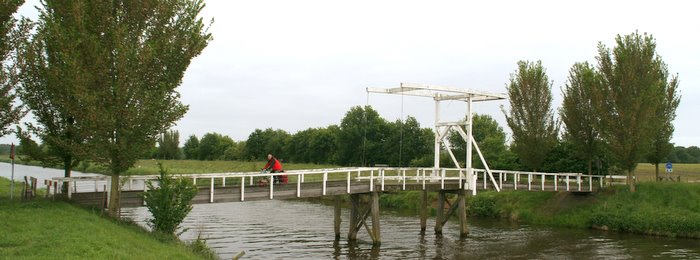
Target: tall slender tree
(578, 112)
(12, 33)
(634, 88)
(531, 118)
(119, 64)
(169, 145)
(661, 145)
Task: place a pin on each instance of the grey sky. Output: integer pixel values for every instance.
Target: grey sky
(300, 64)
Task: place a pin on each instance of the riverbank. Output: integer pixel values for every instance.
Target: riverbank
(59, 230)
(658, 209)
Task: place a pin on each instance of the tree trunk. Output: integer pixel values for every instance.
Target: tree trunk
(590, 167)
(67, 168)
(657, 171)
(114, 197)
(630, 181)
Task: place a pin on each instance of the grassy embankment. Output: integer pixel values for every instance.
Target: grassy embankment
(42, 229)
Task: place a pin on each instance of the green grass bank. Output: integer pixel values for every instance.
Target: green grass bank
(659, 209)
(42, 229)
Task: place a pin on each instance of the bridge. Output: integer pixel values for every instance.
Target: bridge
(364, 185)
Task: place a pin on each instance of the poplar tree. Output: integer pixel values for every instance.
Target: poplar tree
(111, 68)
(661, 145)
(531, 118)
(631, 98)
(12, 32)
(578, 112)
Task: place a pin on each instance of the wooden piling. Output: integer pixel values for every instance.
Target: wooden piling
(463, 228)
(337, 219)
(375, 219)
(440, 213)
(423, 211)
(354, 212)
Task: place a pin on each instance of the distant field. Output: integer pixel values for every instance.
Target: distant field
(688, 172)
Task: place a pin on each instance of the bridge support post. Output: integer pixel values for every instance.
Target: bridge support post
(337, 219)
(376, 238)
(423, 211)
(463, 228)
(440, 213)
(354, 218)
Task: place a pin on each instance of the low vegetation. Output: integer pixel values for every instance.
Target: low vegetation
(42, 229)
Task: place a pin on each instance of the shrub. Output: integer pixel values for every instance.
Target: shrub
(169, 202)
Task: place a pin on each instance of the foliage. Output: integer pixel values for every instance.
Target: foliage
(577, 113)
(635, 85)
(535, 132)
(491, 140)
(169, 202)
(12, 33)
(168, 145)
(119, 64)
(314, 145)
(361, 137)
(661, 144)
(262, 142)
(212, 146)
(406, 141)
(191, 148)
(681, 154)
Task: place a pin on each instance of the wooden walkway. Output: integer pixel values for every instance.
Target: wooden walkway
(356, 182)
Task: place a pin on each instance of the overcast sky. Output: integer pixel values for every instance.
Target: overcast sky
(299, 64)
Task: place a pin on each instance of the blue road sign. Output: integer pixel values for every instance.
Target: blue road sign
(669, 167)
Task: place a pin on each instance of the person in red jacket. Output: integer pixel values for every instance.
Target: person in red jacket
(274, 166)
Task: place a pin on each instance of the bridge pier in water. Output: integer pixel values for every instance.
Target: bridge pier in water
(457, 206)
(359, 211)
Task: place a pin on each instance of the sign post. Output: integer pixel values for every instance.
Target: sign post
(669, 167)
(12, 180)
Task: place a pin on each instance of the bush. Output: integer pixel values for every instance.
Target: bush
(169, 203)
(483, 206)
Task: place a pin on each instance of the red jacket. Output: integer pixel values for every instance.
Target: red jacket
(274, 164)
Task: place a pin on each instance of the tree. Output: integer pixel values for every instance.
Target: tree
(362, 132)
(169, 202)
(535, 132)
(661, 144)
(488, 135)
(406, 142)
(260, 143)
(213, 146)
(120, 62)
(12, 33)
(577, 112)
(634, 87)
(169, 145)
(191, 148)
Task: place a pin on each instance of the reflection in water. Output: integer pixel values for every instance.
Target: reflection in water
(301, 230)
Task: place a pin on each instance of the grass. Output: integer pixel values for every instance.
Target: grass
(688, 172)
(42, 229)
(667, 209)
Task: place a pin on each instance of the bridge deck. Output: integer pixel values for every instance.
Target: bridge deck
(308, 190)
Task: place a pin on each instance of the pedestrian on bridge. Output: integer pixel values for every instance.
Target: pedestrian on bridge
(274, 166)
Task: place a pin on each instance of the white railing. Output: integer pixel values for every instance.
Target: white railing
(376, 176)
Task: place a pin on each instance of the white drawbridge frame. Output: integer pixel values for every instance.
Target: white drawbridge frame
(442, 129)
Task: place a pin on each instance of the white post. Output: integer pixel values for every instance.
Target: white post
(381, 174)
(442, 179)
(516, 176)
(251, 180)
(578, 180)
(436, 162)
(469, 164)
(325, 179)
(529, 181)
(194, 181)
(542, 181)
(403, 187)
(371, 180)
(272, 184)
(556, 179)
(348, 187)
(460, 179)
(500, 179)
(423, 179)
(299, 177)
(211, 191)
(223, 181)
(243, 187)
(567, 182)
(484, 180)
(590, 183)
